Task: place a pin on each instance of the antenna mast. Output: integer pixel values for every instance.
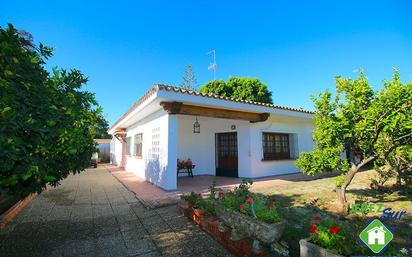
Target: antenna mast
(213, 65)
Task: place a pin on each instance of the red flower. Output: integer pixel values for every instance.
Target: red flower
(313, 228)
(334, 229)
(249, 200)
(241, 206)
(317, 217)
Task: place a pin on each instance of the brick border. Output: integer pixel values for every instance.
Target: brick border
(239, 248)
(15, 209)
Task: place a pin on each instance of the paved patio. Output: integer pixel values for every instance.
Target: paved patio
(92, 214)
(153, 196)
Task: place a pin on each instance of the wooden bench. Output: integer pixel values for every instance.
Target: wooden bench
(186, 169)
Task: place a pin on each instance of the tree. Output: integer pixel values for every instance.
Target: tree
(47, 123)
(251, 89)
(217, 87)
(102, 126)
(361, 120)
(398, 164)
(189, 80)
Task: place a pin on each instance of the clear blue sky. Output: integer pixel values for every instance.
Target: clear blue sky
(296, 49)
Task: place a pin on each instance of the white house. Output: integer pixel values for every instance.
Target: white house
(376, 235)
(237, 138)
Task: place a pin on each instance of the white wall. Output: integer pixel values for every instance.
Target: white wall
(301, 134)
(158, 162)
(201, 147)
(115, 152)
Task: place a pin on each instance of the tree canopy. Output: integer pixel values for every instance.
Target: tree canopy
(47, 123)
(365, 124)
(251, 89)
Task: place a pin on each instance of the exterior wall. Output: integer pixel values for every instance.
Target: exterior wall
(104, 152)
(116, 152)
(300, 131)
(159, 150)
(201, 147)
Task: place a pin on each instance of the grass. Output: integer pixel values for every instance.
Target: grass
(300, 201)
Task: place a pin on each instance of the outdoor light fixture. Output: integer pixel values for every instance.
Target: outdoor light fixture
(196, 126)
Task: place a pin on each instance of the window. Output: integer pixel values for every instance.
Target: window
(276, 146)
(138, 140)
(128, 142)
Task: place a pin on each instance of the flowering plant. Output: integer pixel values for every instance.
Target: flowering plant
(341, 236)
(254, 205)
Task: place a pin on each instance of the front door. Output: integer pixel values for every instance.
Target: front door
(226, 154)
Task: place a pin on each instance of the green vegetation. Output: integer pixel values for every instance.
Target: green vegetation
(257, 206)
(47, 123)
(251, 89)
(368, 125)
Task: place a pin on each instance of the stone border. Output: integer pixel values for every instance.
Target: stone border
(308, 249)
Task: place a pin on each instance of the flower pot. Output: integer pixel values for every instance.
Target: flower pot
(250, 227)
(308, 249)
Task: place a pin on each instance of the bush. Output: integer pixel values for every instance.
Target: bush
(47, 122)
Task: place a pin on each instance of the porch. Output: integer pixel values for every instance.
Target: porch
(153, 196)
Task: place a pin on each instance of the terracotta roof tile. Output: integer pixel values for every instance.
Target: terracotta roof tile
(174, 89)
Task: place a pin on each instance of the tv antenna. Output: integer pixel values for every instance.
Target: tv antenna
(213, 65)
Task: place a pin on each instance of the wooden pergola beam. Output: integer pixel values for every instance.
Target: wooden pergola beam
(185, 109)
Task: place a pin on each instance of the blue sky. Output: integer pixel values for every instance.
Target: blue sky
(296, 48)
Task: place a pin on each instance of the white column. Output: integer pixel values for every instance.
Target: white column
(169, 177)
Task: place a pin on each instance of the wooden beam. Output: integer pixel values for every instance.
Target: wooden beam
(184, 109)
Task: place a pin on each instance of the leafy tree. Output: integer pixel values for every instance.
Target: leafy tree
(47, 123)
(217, 87)
(398, 164)
(251, 89)
(361, 120)
(102, 126)
(189, 80)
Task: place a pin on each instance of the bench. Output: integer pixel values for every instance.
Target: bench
(186, 169)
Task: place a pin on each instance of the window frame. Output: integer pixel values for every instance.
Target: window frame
(135, 146)
(276, 144)
(128, 144)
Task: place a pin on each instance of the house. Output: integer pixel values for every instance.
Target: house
(376, 234)
(222, 136)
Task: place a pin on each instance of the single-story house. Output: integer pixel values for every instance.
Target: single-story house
(222, 136)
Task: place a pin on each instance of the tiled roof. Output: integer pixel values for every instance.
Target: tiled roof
(158, 87)
(211, 95)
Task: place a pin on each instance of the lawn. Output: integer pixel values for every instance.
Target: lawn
(300, 201)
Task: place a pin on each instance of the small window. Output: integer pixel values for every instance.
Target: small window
(128, 145)
(275, 146)
(138, 140)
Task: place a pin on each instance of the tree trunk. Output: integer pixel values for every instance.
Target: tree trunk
(341, 192)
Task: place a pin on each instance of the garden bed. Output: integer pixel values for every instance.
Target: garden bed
(247, 224)
(241, 248)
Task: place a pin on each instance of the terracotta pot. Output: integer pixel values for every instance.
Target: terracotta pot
(308, 249)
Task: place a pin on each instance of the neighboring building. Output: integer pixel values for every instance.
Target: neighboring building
(237, 138)
(376, 235)
(104, 149)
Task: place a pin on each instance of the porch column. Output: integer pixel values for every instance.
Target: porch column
(169, 176)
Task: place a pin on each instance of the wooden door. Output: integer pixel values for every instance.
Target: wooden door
(226, 154)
